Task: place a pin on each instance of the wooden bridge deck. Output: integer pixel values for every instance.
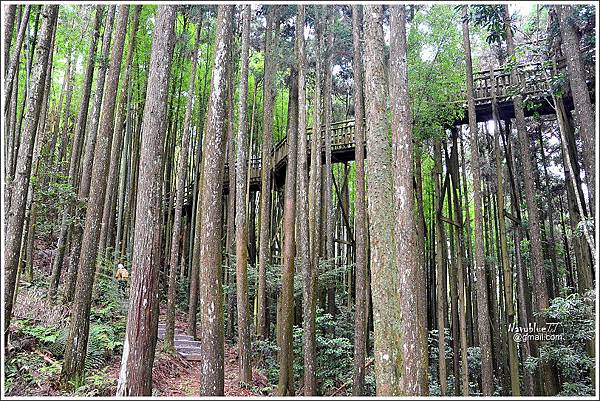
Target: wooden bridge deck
(532, 84)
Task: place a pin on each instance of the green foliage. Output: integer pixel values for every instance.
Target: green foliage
(43, 334)
(490, 17)
(575, 316)
(434, 44)
(334, 355)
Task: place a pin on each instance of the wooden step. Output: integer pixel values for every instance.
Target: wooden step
(186, 343)
(188, 350)
(191, 357)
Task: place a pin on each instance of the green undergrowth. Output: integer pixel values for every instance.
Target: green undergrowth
(35, 351)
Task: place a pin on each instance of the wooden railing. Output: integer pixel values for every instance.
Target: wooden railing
(531, 82)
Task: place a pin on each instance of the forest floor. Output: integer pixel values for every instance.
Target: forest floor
(35, 348)
(173, 376)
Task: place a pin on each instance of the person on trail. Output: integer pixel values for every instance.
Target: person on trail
(122, 276)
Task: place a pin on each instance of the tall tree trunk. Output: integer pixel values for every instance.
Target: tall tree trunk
(415, 363)
(540, 291)
(303, 233)
(480, 268)
(230, 234)
(88, 159)
(78, 137)
(115, 155)
(182, 170)
(460, 262)
(76, 345)
(581, 96)
(135, 377)
(13, 66)
(505, 263)
(264, 257)
(9, 22)
(211, 299)
(385, 275)
(440, 246)
(18, 187)
(327, 111)
(314, 222)
(241, 202)
(285, 319)
(360, 319)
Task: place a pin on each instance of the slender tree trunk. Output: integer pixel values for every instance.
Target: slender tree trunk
(264, 257)
(460, 271)
(78, 137)
(314, 222)
(88, 159)
(385, 286)
(327, 112)
(115, 155)
(230, 234)
(360, 296)
(9, 22)
(480, 268)
(182, 170)
(285, 320)
(241, 225)
(18, 188)
(440, 270)
(415, 363)
(135, 377)
(13, 66)
(303, 233)
(581, 96)
(507, 271)
(211, 299)
(76, 345)
(540, 290)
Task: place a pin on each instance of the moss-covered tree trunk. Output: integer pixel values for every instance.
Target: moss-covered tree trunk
(385, 277)
(17, 189)
(415, 362)
(360, 296)
(483, 318)
(211, 298)
(76, 345)
(241, 225)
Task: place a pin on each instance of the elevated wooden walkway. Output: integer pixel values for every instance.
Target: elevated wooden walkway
(532, 84)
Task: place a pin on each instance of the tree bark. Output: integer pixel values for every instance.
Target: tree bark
(182, 170)
(115, 158)
(17, 190)
(415, 360)
(76, 345)
(540, 291)
(12, 67)
(440, 247)
(581, 96)
(385, 286)
(480, 267)
(241, 225)
(314, 222)
(88, 159)
(264, 257)
(135, 377)
(285, 319)
(328, 204)
(505, 263)
(9, 22)
(211, 299)
(360, 318)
